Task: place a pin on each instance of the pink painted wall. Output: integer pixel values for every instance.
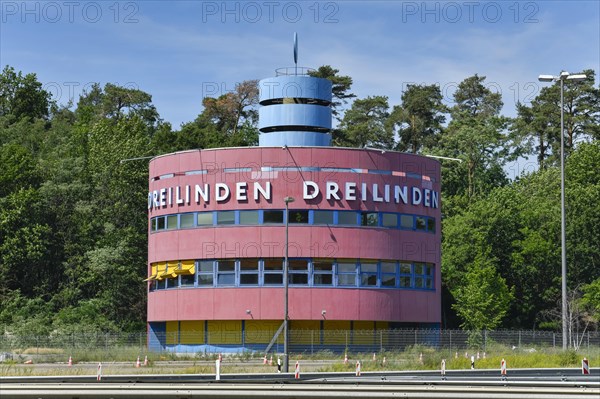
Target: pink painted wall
(305, 241)
(304, 304)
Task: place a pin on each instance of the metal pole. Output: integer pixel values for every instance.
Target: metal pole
(562, 216)
(286, 362)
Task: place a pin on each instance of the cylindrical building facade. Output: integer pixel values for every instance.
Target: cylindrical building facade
(364, 236)
(364, 243)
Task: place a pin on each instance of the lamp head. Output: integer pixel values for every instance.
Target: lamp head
(577, 78)
(546, 78)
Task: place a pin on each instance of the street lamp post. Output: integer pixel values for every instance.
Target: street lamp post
(286, 362)
(563, 240)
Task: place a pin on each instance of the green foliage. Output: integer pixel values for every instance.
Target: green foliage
(73, 222)
(365, 123)
(22, 96)
(483, 300)
(419, 119)
(537, 127)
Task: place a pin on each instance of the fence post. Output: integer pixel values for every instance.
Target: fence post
(554, 340)
(450, 340)
(415, 336)
(519, 338)
(346, 339)
(381, 341)
(312, 342)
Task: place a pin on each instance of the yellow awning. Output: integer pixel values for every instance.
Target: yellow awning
(154, 273)
(186, 267)
(161, 271)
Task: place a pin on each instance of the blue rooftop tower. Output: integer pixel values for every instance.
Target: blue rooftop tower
(295, 108)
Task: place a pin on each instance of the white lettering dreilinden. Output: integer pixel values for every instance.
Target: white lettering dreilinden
(348, 191)
(312, 193)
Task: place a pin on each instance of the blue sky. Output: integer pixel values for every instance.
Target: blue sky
(180, 51)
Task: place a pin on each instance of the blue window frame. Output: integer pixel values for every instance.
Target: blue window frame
(298, 271)
(346, 273)
(322, 272)
(406, 274)
(249, 271)
(206, 273)
(226, 272)
(368, 274)
(187, 220)
(272, 271)
(389, 273)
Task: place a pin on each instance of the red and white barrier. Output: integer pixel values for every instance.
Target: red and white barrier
(99, 372)
(137, 362)
(374, 357)
(297, 373)
(265, 359)
(443, 367)
(70, 363)
(358, 368)
(145, 360)
(384, 361)
(271, 361)
(220, 357)
(503, 368)
(585, 366)
(345, 358)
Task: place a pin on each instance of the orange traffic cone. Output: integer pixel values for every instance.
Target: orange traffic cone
(358, 368)
(265, 359)
(297, 374)
(70, 363)
(137, 363)
(145, 360)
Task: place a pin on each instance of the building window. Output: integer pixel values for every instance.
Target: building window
(249, 217)
(421, 225)
(272, 217)
(431, 225)
(187, 280)
(405, 275)
(205, 219)
(273, 272)
(406, 222)
(186, 220)
(389, 220)
(225, 217)
(298, 271)
(206, 273)
(388, 274)
(322, 272)
(248, 271)
(298, 217)
(346, 273)
(160, 223)
(370, 219)
(347, 218)
(368, 274)
(323, 217)
(171, 222)
(225, 272)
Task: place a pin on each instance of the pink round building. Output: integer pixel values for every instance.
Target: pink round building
(364, 237)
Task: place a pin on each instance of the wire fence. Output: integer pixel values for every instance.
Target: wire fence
(300, 341)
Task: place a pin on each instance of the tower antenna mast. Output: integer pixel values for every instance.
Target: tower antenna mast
(296, 52)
